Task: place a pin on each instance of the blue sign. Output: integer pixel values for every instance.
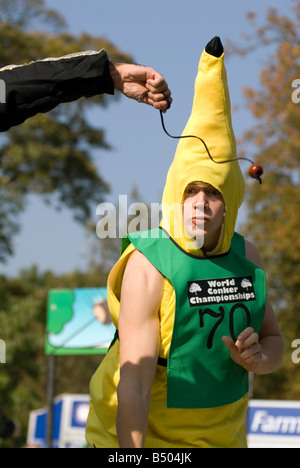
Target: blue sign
(70, 414)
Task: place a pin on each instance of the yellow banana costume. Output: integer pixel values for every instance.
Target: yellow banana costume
(221, 426)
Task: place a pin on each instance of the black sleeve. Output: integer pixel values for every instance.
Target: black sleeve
(41, 86)
(7, 427)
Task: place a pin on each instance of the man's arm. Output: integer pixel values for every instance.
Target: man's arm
(259, 353)
(139, 344)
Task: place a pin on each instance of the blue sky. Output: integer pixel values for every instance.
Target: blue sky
(168, 35)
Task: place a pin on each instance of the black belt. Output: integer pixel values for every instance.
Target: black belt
(160, 361)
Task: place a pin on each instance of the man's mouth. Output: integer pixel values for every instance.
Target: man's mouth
(199, 220)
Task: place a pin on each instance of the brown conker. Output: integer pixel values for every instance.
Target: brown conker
(256, 172)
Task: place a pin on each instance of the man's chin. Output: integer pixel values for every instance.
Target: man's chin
(197, 239)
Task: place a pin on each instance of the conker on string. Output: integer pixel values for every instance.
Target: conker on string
(256, 172)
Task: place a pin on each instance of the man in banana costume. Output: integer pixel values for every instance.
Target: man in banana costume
(189, 301)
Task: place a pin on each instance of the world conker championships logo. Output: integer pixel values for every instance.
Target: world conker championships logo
(221, 291)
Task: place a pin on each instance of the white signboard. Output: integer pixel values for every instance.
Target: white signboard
(274, 423)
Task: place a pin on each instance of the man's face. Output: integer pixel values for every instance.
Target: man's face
(203, 212)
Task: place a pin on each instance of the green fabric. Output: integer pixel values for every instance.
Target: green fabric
(215, 296)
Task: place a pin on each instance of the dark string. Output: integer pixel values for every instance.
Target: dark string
(205, 146)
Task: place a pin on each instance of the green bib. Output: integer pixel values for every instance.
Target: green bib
(215, 296)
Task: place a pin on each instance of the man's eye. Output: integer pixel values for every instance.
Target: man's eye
(214, 192)
(190, 191)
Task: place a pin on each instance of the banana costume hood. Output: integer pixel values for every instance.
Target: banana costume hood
(210, 120)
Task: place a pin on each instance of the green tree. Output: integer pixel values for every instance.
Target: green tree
(273, 208)
(50, 154)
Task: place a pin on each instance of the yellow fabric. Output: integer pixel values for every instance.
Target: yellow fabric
(170, 427)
